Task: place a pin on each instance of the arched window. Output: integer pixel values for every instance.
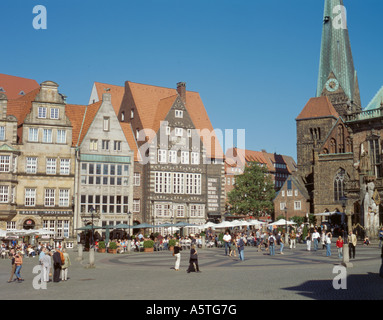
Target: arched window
(349, 147)
(340, 139)
(339, 184)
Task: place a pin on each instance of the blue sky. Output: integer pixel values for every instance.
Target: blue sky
(255, 63)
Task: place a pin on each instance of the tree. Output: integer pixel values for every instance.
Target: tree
(253, 191)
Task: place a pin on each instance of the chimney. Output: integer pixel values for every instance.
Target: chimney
(181, 89)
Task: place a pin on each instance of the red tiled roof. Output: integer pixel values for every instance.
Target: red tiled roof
(13, 85)
(317, 108)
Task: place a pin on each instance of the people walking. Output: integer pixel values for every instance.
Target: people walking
(13, 265)
(315, 239)
(282, 243)
(177, 254)
(271, 244)
(233, 248)
(57, 262)
(241, 248)
(293, 238)
(339, 245)
(352, 244)
(323, 239)
(308, 242)
(227, 240)
(65, 266)
(193, 261)
(19, 264)
(46, 265)
(328, 244)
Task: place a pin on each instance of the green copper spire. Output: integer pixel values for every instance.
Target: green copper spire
(336, 57)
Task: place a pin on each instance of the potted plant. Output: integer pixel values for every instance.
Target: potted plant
(112, 247)
(101, 246)
(171, 244)
(148, 246)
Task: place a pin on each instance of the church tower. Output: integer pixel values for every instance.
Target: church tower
(337, 77)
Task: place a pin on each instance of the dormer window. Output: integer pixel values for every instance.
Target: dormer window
(132, 114)
(21, 93)
(1, 89)
(179, 114)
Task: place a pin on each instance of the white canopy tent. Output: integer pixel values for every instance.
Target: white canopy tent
(281, 222)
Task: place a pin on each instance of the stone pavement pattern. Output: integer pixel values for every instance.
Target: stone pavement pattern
(296, 275)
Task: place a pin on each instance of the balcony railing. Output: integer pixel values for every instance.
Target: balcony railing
(365, 115)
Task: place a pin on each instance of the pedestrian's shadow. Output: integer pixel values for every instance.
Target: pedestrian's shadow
(354, 287)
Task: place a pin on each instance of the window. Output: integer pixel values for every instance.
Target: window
(64, 198)
(33, 135)
(297, 205)
(197, 210)
(162, 156)
(93, 145)
(178, 183)
(105, 145)
(106, 123)
(31, 165)
(64, 166)
(30, 197)
(51, 166)
(185, 157)
(47, 135)
(49, 199)
(42, 112)
(5, 163)
(194, 158)
(2, 133)
(4, 194)
(339, 185)
(179, 113)
(180, 210)
(189, 133)
(61, 136)
(122, 116)
(136, 179)
(131, 113)
(179, 132)
(282, 206)
(374, 152)
(296, 192)
(167, 131)
(172, 156)
(117, 145)
(54, 113)
(136, 205)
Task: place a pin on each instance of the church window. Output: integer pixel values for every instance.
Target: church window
(349, 145)
(340, 139)
(339, 185)
(375, 157)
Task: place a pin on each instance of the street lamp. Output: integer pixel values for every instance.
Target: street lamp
(129, 236)
(346, 256)
(286, 234)
(91, 210)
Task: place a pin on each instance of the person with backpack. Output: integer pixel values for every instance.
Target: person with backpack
(271, 243)
(241, 248)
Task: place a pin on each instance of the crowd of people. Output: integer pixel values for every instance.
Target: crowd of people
(54, 262)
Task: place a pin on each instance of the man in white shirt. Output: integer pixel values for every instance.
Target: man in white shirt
(315, 239)
(227, 240)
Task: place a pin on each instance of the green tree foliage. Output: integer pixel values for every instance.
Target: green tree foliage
(253, 191)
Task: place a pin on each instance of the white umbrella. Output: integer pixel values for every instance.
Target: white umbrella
(224, 224)
(256, 223)
(208, 225)
(239, 223)
(281, 222)
(42, 232)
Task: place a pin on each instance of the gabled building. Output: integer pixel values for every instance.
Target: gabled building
(181, 160)
(44, 165)
(104, 165)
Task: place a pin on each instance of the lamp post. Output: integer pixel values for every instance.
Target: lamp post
(129, 236)
(346, 256)
(91, 245)
(286, 234)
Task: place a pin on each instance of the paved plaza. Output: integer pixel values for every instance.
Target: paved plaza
(296, 275)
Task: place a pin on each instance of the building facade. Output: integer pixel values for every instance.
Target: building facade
(338, 141)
